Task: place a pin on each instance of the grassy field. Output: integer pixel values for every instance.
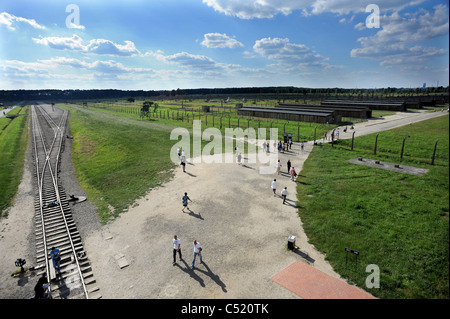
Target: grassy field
(13, 144)
(398, 222)
(171, 113)
(118, 161)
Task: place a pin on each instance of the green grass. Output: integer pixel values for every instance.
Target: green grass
(13, 144)
(118, 161)
(397, 221)
(168, 110)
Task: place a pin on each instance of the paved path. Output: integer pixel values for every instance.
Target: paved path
(311, 283)
(4, 112)
(376, 125)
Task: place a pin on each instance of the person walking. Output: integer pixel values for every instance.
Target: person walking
(183, 164)
(176, 248)
(56, 259)
(185, 199)
(197, 251)
(178, 152)
(302, 145)
(293, 173)
(284, 193)
(183, 156)
(288, 166)
(238, 158)
(274, 187)
(278, 166)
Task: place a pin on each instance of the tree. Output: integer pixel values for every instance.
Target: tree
(145, 109)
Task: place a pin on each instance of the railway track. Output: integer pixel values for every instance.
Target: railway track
(55, 226)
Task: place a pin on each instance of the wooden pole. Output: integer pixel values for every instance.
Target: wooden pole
(376, 143)
(403, 147)
(434, 153)
(353, 139)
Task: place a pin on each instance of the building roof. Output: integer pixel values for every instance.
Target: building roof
(312, 112)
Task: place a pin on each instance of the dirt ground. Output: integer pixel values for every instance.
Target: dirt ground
(241, 226)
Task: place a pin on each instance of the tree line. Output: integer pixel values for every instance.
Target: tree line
(280, 92)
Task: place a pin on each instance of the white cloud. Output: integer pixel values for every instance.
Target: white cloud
(57, 66)
(400, 39)
(11, 20)
(251, 9)
(97, 46)
(219, 40)
(76, 26)
(188, 60)
(290, 55)
(63, 43)
(104, 67)
(106, 47)
(342, 7)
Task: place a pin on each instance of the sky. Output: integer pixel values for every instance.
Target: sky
(186, 44)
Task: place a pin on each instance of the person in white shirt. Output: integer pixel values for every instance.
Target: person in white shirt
(274, 187)
(176, 248)
(278, 166)
(284, 193)
(197, 251)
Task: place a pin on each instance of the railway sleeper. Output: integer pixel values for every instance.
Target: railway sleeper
(55, 230)
(56, 218)
(53, 218)
(40, 245)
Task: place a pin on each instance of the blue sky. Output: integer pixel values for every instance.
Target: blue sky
(170, 44)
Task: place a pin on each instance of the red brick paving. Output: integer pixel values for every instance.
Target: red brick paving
(311, 283)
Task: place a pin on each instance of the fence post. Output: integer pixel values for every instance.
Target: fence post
(403, 147)
(376, 142)
(353, 139)
(434, 153)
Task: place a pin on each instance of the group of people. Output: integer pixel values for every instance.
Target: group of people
(290, 169)
(41, 289)
(284, 192)
(177, 249)
(280, 146)
(292, 173)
